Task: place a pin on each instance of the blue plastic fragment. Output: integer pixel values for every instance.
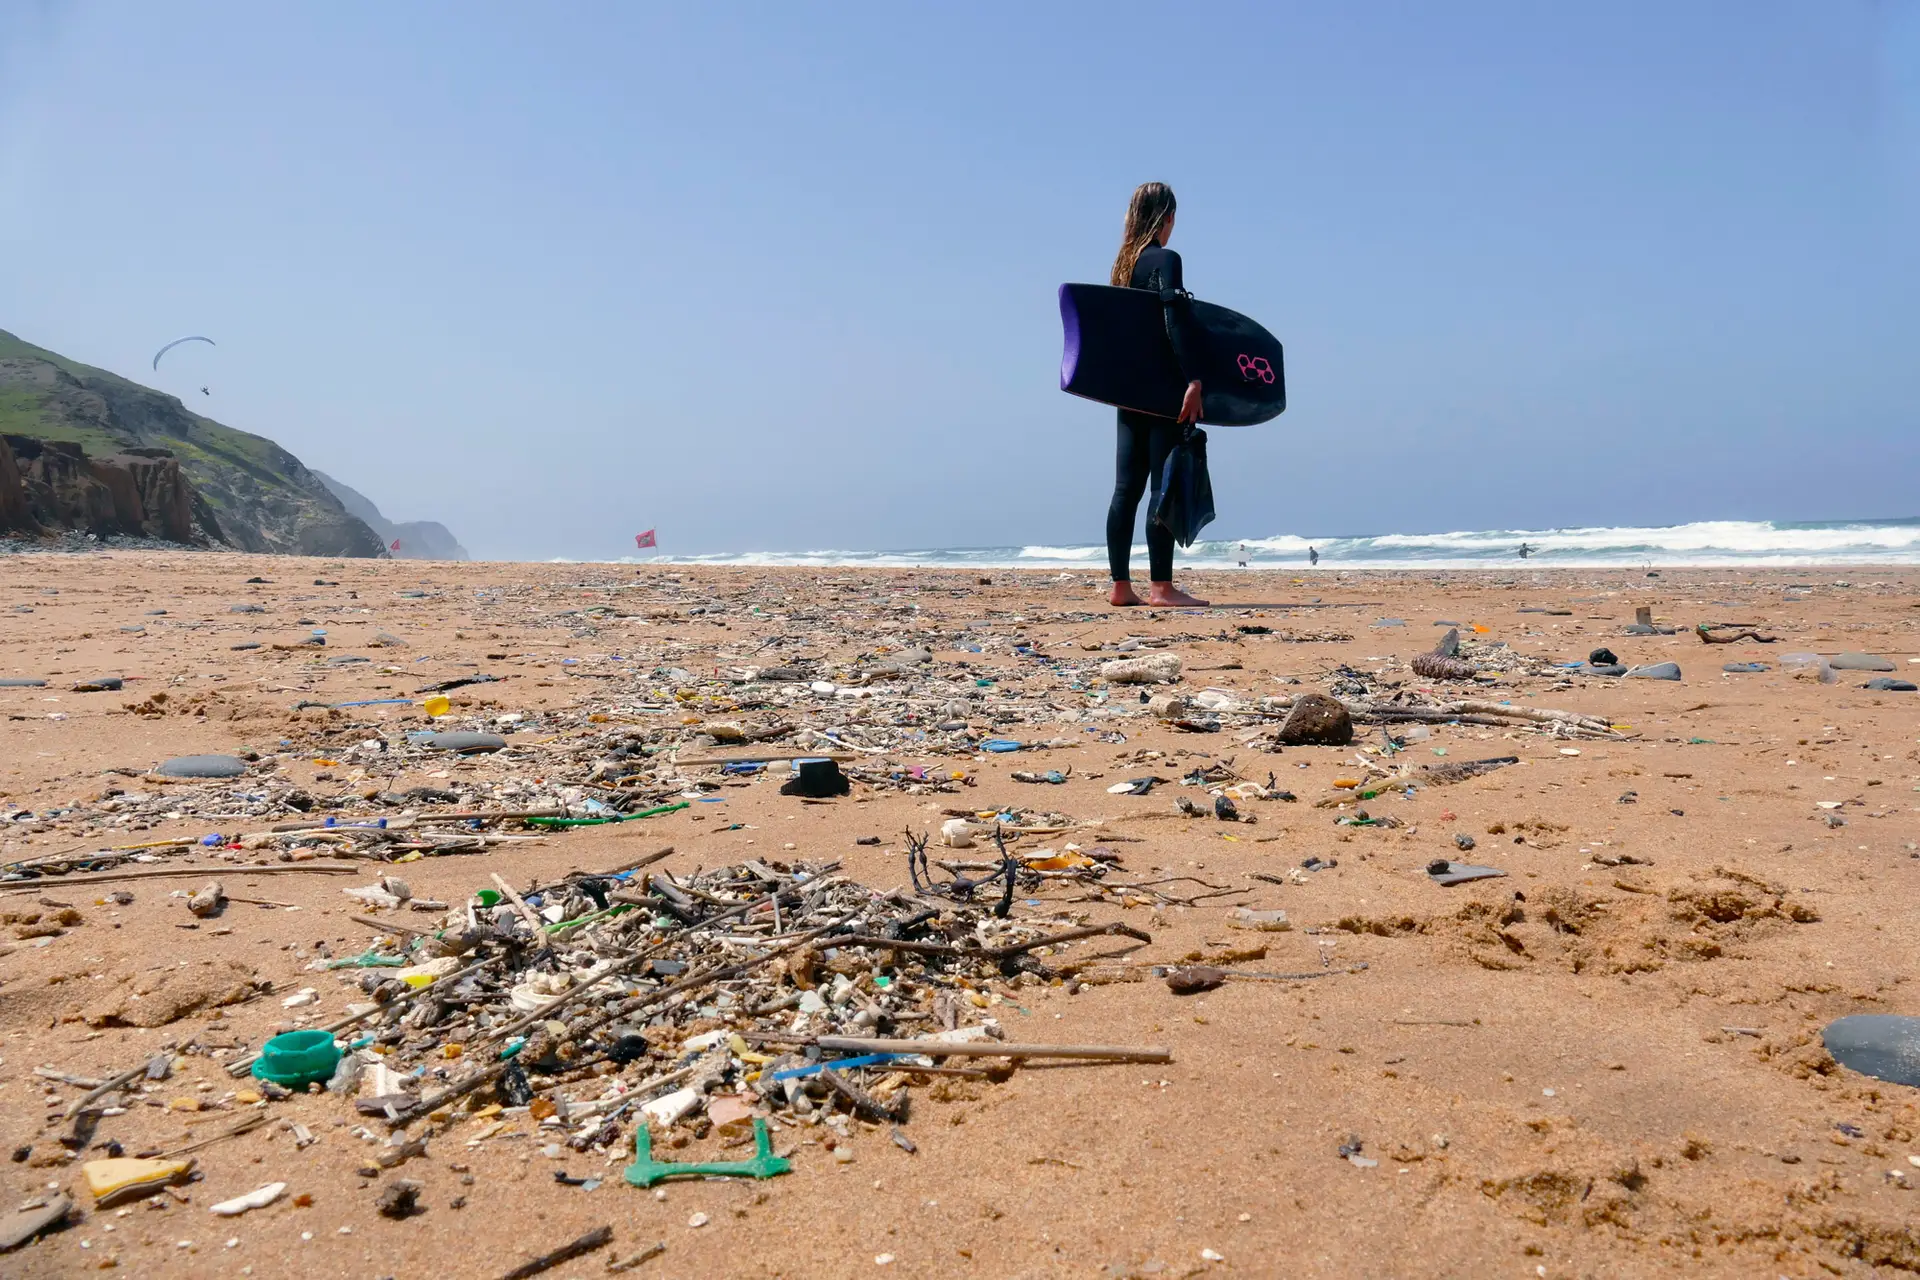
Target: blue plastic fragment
(815, 1068)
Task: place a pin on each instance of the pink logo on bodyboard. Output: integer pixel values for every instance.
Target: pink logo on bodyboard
(1255, 369)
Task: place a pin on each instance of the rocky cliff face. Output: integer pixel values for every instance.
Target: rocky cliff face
(14, 515)
(256, 494)
(53, 484)
(417, 539)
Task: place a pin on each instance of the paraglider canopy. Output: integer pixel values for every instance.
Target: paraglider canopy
(176, 342)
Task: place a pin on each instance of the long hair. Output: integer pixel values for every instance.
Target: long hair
(1147, 212)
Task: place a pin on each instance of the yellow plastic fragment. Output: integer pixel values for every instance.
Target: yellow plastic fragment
(127, 1178)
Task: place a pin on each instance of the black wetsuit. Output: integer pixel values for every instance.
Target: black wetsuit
(1145, 440)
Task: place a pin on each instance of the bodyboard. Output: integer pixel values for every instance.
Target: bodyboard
(1116, 352)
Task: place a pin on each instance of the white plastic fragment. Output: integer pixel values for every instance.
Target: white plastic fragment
(671, 1107)
(258, 1198)
(1157, 668)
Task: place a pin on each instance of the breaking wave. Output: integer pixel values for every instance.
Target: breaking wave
(1757, 543)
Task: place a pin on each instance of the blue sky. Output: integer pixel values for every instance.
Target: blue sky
(782, 276)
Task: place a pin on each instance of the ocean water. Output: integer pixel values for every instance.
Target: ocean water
(1755, 543)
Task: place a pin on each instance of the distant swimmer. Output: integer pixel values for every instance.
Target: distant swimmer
(1525, 551)
(1243, 555)
(1313, 556)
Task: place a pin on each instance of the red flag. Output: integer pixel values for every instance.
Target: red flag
(395, 546)
(644, 540)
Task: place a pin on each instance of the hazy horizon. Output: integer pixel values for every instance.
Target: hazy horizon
(784, 278)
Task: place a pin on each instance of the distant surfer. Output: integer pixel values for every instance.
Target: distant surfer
(1243, 555)
(1313, 556)
(1525, 551)
(1145, 262)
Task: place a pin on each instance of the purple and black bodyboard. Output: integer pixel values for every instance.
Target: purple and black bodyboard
(1117, 352)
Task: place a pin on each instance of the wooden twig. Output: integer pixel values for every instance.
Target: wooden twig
(385, 925)
(487, 815)
(527, 913)
(160, 873)
(587, 1243)
(767, 759)
(647, 1254)
(993, 1049)
(105, 1088)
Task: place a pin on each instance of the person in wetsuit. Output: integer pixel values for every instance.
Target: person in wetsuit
(1145, 262)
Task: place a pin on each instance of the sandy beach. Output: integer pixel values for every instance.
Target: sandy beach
(1605, 1062)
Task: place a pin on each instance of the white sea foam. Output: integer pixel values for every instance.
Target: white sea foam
(1757, 543)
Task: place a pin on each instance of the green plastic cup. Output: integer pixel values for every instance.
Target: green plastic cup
(297, 1059)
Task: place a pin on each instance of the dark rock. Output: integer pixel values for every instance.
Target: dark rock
(514, 1087)
(22, 1225)
(1194, 979)
(22, 682)
(1860, 662)
(1882, 1045)
(1603, 657)
(202, 767)
(398, 1199)
(1887, 684)
(1655, 671)
(629, 1048)
(1598, 669)
(1463, 842)
(1317, 720)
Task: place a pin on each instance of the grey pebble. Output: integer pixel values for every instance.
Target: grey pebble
(201, 767)
(1882, 1045)
(460, 740)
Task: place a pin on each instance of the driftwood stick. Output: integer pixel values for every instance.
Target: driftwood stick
(1071, 935)
(994, 1049)
(385, 925)
(104, 1089)
(490, 815)
(534, 922)
(768, 759)
(160, 873)
(647, 1254)
(632, 865)
(587, 1243)
(1540, 715)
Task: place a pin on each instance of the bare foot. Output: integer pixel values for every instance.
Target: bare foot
(1123, 594)
(1167, 595)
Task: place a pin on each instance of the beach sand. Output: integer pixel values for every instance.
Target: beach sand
(1580, 1069)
